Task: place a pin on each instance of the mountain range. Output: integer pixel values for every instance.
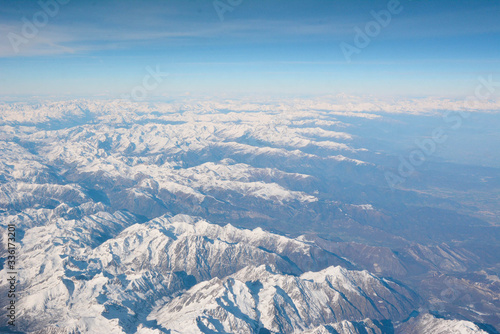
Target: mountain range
(243, 217)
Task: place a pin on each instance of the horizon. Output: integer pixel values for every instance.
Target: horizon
(92, 49)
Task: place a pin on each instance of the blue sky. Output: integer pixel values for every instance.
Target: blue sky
(102, 48)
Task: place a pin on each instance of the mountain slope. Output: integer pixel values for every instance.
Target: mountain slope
(257, 298)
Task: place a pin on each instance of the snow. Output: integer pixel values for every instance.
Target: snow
(87, 266)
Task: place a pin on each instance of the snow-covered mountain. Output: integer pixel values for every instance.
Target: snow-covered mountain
(234, 217)
(171, 272)
(257, 299)
(426, 323)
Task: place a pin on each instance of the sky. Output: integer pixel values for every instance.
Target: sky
(242, 47)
